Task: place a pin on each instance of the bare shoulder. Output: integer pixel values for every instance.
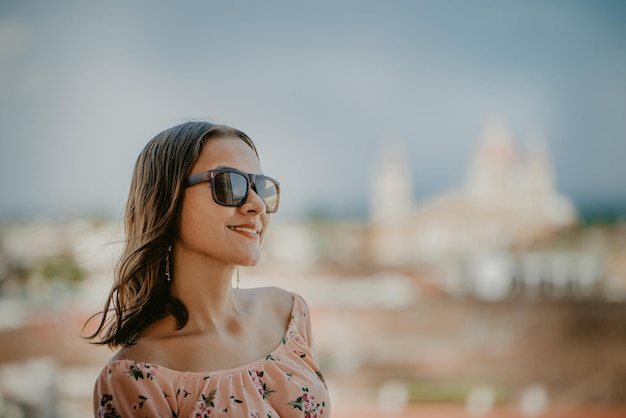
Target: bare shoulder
(279, 298)
(276, 300)
(125, 353)
(151, 347)
(130, 352)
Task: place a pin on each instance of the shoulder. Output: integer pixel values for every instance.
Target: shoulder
(287, 307)
(151, 345)
(269, 299)
(125, 387)
(120, 373)
(133, 352)
(279, 299)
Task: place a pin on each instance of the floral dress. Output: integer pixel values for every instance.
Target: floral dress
(285, 383)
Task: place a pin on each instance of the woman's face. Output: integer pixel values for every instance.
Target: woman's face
(226, 235)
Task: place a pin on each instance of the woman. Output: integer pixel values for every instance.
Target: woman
(191, 345)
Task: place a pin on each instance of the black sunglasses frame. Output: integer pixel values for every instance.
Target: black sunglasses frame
(209, 175)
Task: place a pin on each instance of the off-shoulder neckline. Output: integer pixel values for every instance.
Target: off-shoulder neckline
(287, 335)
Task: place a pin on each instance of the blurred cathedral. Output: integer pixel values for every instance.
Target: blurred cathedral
(508, 201)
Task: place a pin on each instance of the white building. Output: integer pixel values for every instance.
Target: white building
(508, 201)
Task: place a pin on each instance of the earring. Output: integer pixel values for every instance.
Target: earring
(168, 276)
(237, 277)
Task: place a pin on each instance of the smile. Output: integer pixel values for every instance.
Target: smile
(244, 229)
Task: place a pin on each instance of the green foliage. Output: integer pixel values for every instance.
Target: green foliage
(449, 391)
(44, 273)
(63, 269)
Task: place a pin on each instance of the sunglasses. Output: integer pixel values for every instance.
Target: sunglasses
(230, 187)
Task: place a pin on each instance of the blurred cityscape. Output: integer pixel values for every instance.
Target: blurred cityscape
(496, 299)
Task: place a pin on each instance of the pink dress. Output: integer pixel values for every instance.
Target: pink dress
(285, 383)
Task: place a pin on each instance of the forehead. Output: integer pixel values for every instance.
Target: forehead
(227, 151)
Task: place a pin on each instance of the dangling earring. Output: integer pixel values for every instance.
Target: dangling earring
(168, 276)
(237, 277)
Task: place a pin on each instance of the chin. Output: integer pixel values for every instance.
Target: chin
(250, 261)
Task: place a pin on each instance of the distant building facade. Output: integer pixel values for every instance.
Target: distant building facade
(472, 237)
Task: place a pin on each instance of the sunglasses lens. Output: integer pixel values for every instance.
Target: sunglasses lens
(268, 191)
(231, 189)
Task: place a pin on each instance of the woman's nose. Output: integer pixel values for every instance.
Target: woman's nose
(254, 203)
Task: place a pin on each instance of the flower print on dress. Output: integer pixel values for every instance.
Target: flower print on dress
(257, 379)
(139, 370)
(107, 409)
(308, 404)
(233, 402)
(294, 335)
(137, 406)
(184, 392)
(320, 376)
(204, 405)
(299, 353)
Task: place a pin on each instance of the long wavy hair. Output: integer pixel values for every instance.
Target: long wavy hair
(141, 294)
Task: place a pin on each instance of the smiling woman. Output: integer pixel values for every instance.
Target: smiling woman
(199, 206)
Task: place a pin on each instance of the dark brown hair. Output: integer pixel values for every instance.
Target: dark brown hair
(141, 293)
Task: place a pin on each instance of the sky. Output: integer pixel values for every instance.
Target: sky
(320, 86)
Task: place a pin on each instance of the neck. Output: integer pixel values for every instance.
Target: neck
(205, 287)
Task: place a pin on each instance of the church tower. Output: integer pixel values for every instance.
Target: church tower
(391, 204)
(493, 171)
(391, 187)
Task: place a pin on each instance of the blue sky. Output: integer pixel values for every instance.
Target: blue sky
(318, 85)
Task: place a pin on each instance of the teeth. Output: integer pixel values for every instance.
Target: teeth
(243, 229)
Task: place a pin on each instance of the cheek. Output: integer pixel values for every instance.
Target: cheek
(188, 230)
(197, 224)
(265, 220)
